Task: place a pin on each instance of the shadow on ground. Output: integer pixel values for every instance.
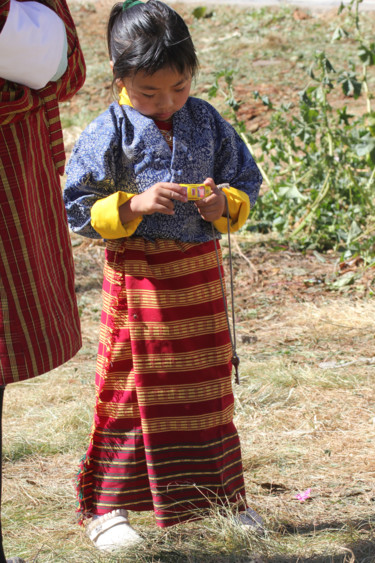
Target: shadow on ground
(361, 551)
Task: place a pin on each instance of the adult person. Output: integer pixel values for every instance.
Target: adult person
(41, 64)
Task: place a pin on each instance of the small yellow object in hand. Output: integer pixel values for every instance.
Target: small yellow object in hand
(196, 191)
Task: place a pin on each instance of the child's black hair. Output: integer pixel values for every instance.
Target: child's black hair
(148, 37)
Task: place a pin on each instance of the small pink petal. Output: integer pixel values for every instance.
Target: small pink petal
(303, 496)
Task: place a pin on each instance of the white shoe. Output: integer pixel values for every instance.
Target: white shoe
(112, 531)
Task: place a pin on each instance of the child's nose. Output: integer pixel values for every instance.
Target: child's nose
(167, 101)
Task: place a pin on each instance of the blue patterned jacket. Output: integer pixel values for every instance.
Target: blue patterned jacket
(122, 150)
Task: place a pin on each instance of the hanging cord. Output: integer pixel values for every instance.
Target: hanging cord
(232, 333)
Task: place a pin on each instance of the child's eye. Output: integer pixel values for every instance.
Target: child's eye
(148, 95)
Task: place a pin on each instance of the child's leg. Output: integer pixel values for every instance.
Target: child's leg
(113, 476)
(181, 352)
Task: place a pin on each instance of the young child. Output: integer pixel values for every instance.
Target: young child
(163, 437)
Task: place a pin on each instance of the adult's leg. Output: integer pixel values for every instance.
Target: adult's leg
(2, 556)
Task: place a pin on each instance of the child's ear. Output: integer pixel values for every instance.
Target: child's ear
(119, 83)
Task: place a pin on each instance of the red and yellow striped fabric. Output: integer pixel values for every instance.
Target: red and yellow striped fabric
(163, 437)
(39, 322)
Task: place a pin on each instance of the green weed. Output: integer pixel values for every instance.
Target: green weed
(318, 160)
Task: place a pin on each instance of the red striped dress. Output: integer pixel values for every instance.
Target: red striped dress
(39, 322)
(163, 437)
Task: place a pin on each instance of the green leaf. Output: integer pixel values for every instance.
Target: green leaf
(365, 145)
(351, 86)
(199, 12)
(319, 94)
(329, 66)
(338, 34)
(278, 223)
(311, 115)
(213, 91)
(371, 157)
(291, 192)
(344, 280)
(354, 231)
(367, 54)
(310, 71)
(344, 116)
(265, 99)
(233, 103)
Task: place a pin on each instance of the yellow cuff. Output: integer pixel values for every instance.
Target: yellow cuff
(105, 217)
(239, 209)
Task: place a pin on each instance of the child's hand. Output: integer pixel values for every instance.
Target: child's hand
(213, 206)
(157, 199)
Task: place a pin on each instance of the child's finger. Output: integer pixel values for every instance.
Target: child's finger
(177, 192)
(210, 182)
(210, 199)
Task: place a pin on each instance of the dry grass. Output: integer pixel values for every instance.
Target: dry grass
(305, 413)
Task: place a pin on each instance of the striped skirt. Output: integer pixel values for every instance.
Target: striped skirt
(163, 437)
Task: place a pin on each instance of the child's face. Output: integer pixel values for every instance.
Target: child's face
(158, 95)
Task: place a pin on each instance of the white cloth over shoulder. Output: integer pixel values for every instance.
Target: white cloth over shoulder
(33, 45)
